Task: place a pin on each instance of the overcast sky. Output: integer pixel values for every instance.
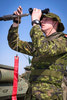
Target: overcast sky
(58, 7)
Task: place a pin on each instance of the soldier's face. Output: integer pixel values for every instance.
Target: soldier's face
(46, 24)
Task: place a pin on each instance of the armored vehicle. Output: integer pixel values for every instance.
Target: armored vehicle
(27, 73)
(6, 83)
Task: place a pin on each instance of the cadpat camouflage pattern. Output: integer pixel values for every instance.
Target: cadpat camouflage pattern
(48, 64)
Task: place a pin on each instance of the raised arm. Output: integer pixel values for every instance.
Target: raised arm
(13, 38)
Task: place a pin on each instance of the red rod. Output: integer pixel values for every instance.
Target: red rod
(15, 80)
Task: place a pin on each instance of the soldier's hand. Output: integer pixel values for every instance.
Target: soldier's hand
(36, 14)
(18, 12)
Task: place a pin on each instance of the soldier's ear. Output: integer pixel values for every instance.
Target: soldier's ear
(56, 24)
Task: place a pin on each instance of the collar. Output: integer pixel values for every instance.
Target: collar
(54, 35)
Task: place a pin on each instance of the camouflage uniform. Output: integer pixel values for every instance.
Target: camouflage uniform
(48, 64)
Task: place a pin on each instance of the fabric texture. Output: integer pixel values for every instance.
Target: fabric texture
(49, 56)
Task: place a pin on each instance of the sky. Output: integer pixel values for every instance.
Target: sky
(7, 7)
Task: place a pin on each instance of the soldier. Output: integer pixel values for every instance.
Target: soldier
(49, 51)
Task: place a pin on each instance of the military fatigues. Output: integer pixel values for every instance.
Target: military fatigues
(48, 64)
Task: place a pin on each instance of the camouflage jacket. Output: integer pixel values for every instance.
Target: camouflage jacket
(48, 52)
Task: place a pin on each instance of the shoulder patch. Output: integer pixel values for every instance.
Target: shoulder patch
(65, 35)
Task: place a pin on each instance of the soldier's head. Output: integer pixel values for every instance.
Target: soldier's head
(52, 21)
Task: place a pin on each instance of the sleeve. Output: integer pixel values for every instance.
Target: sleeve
(14, 42)
(36, 36)
(46, 47)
